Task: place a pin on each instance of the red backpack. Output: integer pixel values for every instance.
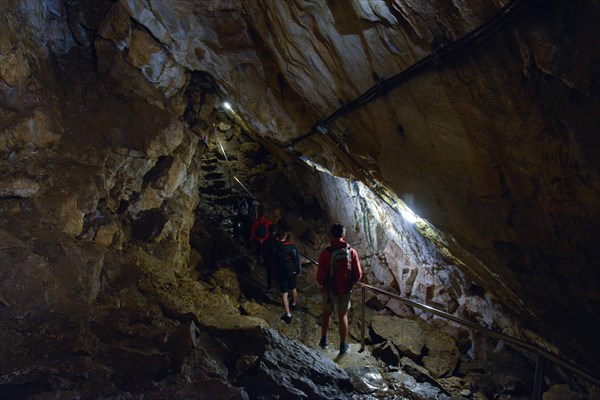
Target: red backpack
(340, 278)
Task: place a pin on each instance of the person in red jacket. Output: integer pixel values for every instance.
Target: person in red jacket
(339, 269)
(259, 233)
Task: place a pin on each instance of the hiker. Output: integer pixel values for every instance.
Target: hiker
(254, 209)
(269, 248)
(242, 218)
(339, 269)
(287, 262)
(260, 232)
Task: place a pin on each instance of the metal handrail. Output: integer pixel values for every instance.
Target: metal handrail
(541, 353)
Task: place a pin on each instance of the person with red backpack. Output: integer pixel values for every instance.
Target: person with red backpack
(339, 269)
(259, 233)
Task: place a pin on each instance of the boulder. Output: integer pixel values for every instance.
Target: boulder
(442, 353)
(387, 353)
(227, 281)
(287, 369)
(256, 310)
(405, 334)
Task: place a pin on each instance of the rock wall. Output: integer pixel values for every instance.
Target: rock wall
(98, 190)
(496, 148)
(100, 157)
(103, 105)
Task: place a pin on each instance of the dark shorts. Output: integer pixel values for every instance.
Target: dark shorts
(285, 285)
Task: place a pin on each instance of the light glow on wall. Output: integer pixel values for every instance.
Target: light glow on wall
(409, 216)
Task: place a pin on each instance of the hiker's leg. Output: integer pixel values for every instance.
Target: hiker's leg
(343, 307)
(257, 250)
(293, 283)
(261, 252)
(343, 327)
(284, 288)
(326, 316)
(286, 304)
(294, 295)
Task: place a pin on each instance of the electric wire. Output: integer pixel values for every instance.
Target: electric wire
(438, 57)
(230, 169)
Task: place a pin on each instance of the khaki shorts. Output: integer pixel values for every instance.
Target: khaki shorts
(342, 303)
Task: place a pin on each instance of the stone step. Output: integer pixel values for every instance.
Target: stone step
(211, 159)
(209, 168)
(215, 184)
(214, 176)
(217, 192)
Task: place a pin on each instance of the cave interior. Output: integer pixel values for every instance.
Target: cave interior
(457, 142)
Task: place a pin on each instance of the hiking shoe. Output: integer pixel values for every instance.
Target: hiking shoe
(344, 348)
(286, 318)
(293, 306)
(323, 342)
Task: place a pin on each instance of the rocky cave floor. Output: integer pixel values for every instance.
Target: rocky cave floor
(371, 378)
(381, 371)
(402, 349)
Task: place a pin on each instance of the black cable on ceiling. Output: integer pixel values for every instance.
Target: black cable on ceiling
(440, 55)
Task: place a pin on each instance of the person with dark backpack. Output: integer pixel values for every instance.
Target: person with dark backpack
(339, 269)
(287, 261)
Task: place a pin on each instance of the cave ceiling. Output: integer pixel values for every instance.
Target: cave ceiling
(496, 147)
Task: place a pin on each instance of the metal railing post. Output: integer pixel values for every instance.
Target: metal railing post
(363, 295)
(538, 377)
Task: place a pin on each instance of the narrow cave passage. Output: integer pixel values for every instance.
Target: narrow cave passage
(457, 143)
(393, 329)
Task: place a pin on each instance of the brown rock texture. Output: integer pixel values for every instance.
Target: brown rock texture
(106, 110)
(495, 148)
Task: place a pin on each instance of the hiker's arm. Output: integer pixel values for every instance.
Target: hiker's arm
(297, 261)
(356, 268)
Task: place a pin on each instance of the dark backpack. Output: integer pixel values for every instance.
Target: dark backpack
(288, 262)
(340, 278)
(261, 231)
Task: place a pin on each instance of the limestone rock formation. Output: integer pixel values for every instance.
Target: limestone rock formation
(406, 335)
(495, 147)
(107, 109)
